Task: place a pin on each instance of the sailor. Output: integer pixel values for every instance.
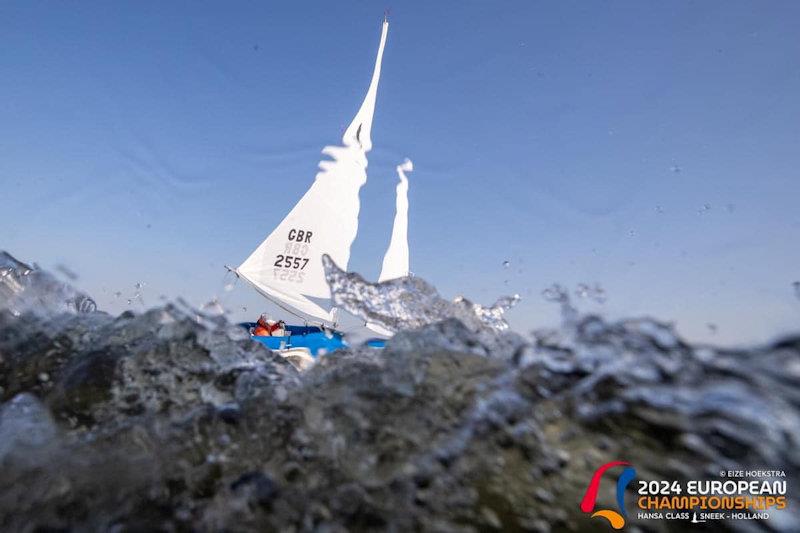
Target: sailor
(269, 328)
(262, 328)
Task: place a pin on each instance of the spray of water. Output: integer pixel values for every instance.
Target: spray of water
(453, 425)
(409, 302)
(24, 288)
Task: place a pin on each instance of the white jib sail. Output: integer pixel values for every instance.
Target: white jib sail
(287, 266)
(396, 262)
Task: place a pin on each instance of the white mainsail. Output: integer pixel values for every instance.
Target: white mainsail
(395, 262)
(287, 266)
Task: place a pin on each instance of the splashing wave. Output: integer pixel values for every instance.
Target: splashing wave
(173, 419)
(27, 289)
(409, 302)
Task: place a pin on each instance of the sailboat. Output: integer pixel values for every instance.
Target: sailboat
(287, 267)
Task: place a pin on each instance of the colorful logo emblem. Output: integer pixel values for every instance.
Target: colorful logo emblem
(616, 519)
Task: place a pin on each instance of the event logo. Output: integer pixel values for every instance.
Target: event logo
(616, 519)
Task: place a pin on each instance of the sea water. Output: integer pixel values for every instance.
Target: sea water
(173, 419)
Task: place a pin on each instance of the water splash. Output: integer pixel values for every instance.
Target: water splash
(213, 307)
(137, 295)
(440, 430)
(24, 288)
(592, 292)
(67, 272)
(24, 424)
(555, 293)
(409, 302)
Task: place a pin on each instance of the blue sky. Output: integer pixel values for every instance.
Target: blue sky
(649, 147)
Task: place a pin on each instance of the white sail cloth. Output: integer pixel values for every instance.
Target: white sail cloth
(287, 266)
(396, 262)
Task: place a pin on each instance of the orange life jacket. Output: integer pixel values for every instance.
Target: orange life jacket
(263, 329)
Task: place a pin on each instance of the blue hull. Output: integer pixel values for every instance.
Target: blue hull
(310, 337)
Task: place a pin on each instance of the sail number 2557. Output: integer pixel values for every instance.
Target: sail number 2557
(288, 261)
(292, 261)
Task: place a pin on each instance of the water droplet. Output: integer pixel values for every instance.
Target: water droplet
(659, 209)
(705, 208)
(796, 286)
(712, 328)
(676, 169)
(44, 377)
(632, 233)
(213, 308)
(67, 272)
(506, 263)
(117, 294)
(229, 287)
(591, 292)
(555, 293)
(84, 304)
